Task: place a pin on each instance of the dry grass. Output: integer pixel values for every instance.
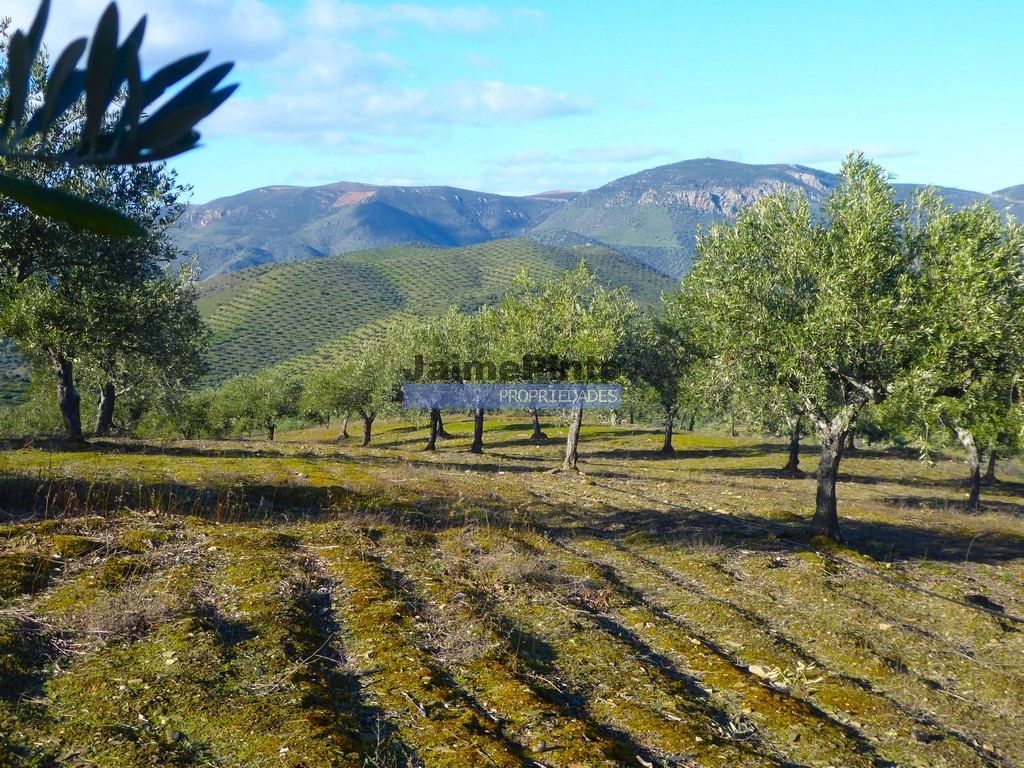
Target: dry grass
(305, 603)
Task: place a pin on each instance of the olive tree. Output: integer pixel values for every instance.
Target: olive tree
(832, 308)
(661, 351)
(259, 401)
(969, 380)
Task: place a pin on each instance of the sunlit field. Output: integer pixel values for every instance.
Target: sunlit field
(308, 602)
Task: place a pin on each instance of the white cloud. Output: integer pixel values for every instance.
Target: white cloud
(374, 107)
(305, 77)
(347, 17)
(480, 101)
(245, 31)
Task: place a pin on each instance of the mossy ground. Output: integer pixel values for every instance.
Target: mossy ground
(312, 603)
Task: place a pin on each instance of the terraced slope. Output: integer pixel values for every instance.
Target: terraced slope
(306, 604)
(303, 314)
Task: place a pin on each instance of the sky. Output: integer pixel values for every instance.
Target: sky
(523, 97)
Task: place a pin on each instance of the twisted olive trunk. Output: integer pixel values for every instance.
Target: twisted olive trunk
(974, 459)
(670, 417)
(793, 465)
(68, 399)
(572, 442)
(990, 475)
(832, 434)
(435, 429)
(478, 431)
(105, 413)
(367, 427)
(538, 436)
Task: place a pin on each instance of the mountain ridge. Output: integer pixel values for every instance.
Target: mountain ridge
(651, 216)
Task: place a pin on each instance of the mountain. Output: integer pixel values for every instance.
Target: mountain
(307, 313)
(652, 215)
(284, 224)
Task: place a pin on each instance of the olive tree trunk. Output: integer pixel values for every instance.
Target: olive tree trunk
(793, 465)
(538, 436)
(974, 459)
(367, 427)
(670, 417)
(68, 399)
(435, 429)
(441, 431)
(271, 428)
(990, 475)
(478, 431)
(692, 422)
(344, 428)
(572, 441)
(105, 412)
(832, 434)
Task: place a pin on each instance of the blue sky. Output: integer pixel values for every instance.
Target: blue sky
(520, 97)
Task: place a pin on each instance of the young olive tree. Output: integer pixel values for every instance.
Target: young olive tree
(523, 331)
(259, 401)
(439, 344)
(834, 310)
(372, 380)
(661, 351)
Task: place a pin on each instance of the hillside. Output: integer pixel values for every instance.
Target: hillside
(309, 603)
(652, 215)
(284, 224)
(302, 314)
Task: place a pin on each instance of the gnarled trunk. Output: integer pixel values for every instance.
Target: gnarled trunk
(68, 399)
(344, 428)
(478, 431)
(850, 445)
(974, 459)
(367, 427)
(435, 428)
(105, 412)
(572, 441)
(670, 417)
(732, 425)
(538, 436)
(693, 421)
(990, 475)
(793, 465)
(271, 429)
(832, 435)
(441, 431)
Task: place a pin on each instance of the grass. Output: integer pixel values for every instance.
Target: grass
(313, 603)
